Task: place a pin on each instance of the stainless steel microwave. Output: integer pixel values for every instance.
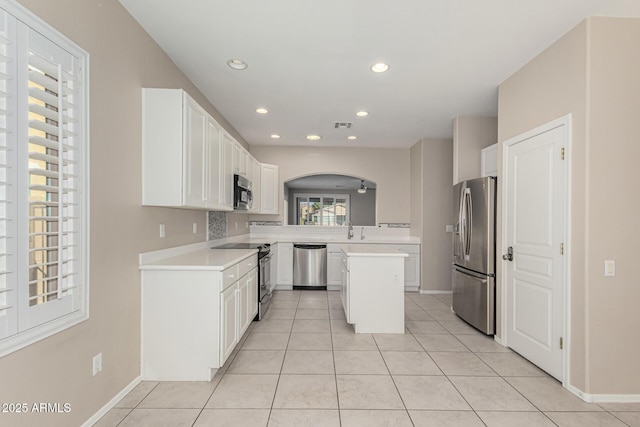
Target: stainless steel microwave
(242, 198)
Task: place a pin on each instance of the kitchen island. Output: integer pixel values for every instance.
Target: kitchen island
(372, 290)
(196, 306)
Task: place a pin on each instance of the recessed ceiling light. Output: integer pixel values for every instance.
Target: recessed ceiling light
(379, 67)
(275, 136)
(352, 137)
(313, 137)
(362, 113)
(237, 64)
(262, 110)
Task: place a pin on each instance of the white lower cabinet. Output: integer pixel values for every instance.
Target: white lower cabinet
(334, 266)
(285, 265)
(193, 319)
(372, 290)
(344, 286)
(228, 321)
(411, 265)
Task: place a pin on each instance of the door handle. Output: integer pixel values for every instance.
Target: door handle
(509, 255)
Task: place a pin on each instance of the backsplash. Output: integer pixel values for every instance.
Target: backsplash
(217, 225)
(395, 225)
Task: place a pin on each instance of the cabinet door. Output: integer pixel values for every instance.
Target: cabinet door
(275, 266)
(334, 267)
(344, 289)
(253, 294)
(215, 180)
(269, 191)
(285, 263)
(243, 304)
(228, 321)
(256, 182)
(412, 272)
(194, 155)
(228, 148)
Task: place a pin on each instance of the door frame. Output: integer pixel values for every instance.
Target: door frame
(564, 121)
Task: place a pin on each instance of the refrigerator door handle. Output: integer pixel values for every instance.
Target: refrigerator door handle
(467, 222)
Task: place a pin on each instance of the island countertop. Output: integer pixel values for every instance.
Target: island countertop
(372, 250)
(203, 259)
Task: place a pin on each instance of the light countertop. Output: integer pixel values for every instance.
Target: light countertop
(372, 251)
(203, 259)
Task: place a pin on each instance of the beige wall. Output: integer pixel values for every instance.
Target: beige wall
(431, 168)
(58, 369)
(415, 189)
(613, 206)
(470, 136)
(388, 168)
(592, 73)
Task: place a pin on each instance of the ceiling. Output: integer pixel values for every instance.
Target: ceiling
(308, 61)
(328, 182)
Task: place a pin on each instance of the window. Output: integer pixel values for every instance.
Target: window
(43, 180)
(322, 209)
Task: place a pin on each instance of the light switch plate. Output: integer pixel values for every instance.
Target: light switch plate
(162, 230)
(609, 268)
(448, 228)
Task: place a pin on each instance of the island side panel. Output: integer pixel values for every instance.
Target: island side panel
(180, 325)
(377, 294)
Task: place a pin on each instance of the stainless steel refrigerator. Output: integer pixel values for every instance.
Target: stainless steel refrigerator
(474, 252)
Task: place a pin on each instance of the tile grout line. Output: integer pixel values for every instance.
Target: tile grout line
(284, 357)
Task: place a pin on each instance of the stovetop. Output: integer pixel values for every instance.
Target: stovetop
(263, 248)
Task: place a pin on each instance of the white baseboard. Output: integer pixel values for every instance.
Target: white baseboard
(498, 340)
(604, 398)
(110, 404)
(429, 292)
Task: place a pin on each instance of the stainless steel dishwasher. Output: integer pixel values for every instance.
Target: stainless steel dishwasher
(309, 266)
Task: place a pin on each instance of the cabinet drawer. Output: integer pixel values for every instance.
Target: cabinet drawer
(247, 265)
(229, 276)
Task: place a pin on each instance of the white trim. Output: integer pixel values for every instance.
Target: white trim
(564, 121)
(604, 398)
(499, 340)
(112, 403)
(40, 331)
(430, 292)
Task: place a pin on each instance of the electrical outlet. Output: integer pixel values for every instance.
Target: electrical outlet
(162, 230)
(236, 225)
(97, 364)
(246, 224)
(195, 227)
(609, 268)
(449, 229)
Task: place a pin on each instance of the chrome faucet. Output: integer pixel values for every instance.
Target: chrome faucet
(362, 233)
(350, 231)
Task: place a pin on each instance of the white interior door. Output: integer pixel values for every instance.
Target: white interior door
(535, 192)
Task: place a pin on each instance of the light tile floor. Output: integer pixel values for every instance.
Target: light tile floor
(304, 366)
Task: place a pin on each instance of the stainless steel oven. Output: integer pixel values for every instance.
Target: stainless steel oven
(264, 272)
(264, 281)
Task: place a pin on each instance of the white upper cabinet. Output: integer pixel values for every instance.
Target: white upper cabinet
(194, 161)
(188, 159)
(184, 163)
(489, 161)
(269, 189)
(256, 182)
(227, 164)
(240, 160)
(220, 181)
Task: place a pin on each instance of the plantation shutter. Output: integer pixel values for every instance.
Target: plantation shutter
(8, 242)
(52, 177)
(43, 180)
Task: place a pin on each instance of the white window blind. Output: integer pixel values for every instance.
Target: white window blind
(43, 201)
